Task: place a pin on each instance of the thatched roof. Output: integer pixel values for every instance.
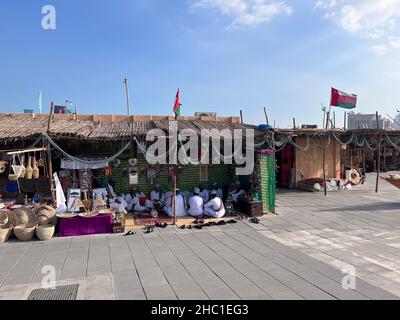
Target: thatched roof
(17, 127)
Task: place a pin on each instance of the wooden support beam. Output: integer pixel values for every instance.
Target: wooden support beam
(241, 116)
(266, 115)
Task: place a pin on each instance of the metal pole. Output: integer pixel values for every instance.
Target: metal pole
(241, 116)
(128, 103)
(378, 169)
(174, 202)
(324, 171)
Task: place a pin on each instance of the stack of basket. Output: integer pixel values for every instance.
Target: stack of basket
(6, 225)
(47, 220)
(26, 224)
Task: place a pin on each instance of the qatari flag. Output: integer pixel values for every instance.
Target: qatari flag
(343, 100)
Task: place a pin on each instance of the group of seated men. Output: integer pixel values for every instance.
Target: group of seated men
(197, 204)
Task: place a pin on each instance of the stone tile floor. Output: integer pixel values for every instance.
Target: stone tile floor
(297, 254)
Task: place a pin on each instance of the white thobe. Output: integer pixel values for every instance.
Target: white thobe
(196, 206)
(112, 192)
(214, 208)
(118, 206)
(179, 205)
(156, 196)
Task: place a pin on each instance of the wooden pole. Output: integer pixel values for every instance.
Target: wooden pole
(378, 169)
(174, 199)
(128, 103)
(328, 116)
(241, 116)
(266, 115)
(324, 171)
(49, 163)
(324, 122)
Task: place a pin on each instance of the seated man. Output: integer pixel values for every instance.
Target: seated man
(117, 205)
(136, 203)
(122, 200)
(204, 194)
(157, 197)
(196, 204)
(236, 192)
(219, 191)
(129, 200)
(215, 207)
(110, 187)
(180, 205)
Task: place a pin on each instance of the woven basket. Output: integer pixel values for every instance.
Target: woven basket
(5, 234)
(3, 218)
(25, 232)
(25, 216)
(12, 218)
(45, 215)
(45, 232)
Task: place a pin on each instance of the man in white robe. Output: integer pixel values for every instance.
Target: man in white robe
(180, 205)
(204, 194)
(219, 191)
(196, 204)
(236, 193)
(215, 207)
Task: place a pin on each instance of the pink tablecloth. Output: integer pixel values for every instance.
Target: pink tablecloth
(78, 226)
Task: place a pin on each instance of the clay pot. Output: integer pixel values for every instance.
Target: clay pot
(23, 169)
(35, 169)
(29, 169)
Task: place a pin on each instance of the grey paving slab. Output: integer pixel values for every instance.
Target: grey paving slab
(297, 254)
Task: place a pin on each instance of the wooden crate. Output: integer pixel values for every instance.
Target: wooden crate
(251, 208)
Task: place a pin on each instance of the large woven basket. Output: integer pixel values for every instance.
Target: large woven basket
(3, 218)
(5, 233)
(12, 218)
(25, 232)
(25, 216)
(45, 232)
(45, 215)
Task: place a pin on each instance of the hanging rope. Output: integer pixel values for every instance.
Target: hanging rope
(391, 143)
(321, 146)
(305, 148)
(341, 142)
(86, 162)
(357, 142)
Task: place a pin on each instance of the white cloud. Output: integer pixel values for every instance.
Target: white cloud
(380, 49)
(370, 19)
(245, 13)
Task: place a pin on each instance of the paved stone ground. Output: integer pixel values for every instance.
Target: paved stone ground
(297, 254)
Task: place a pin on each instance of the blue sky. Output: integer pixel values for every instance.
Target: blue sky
(224, 55)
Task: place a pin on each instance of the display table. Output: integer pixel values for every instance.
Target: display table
(79, 226)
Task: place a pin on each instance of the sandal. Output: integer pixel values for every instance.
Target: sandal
(190, 227)
(255, 220)
(221, 223)
(130, 233)
(198, 227)
(183, 227)
(232, 221)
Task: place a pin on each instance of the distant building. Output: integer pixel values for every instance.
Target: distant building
(368, 121)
